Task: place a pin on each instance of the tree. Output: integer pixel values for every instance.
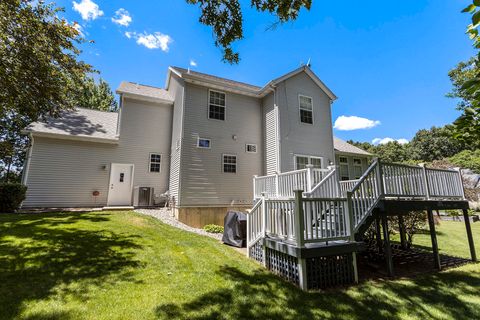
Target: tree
(388, 152)
(226, 19)
(435, 143)
(97, 96)
(40, 73)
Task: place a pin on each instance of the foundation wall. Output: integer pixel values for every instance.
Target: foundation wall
(198, 217)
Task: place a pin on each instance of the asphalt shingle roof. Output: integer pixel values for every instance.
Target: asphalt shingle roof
(143, 90)
(343, 146)
(80, 123)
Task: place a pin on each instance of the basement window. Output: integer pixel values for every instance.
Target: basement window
(306, 109)
(216, 105)
(155, 162)
(229, 163)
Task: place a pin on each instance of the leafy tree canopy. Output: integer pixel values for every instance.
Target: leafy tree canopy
(97, 96)
(434, 144)
(226, 19)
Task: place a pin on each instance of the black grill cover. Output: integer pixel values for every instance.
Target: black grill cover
(235, 229)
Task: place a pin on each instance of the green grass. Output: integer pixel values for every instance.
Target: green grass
(120, 265)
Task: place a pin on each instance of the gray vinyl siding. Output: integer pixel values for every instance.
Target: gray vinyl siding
(203, 181)
(351, 173)
(270, 135)
(297, 138)
(64, 173)
(176, 89)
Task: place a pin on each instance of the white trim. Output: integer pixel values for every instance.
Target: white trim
(110, 179)
(72, 137)
(149, 170)
(223, 162)
(300, 110)
(250, 144)
(209, 143)
(26, 167)
(354, 165)
(217, 105)
(136, 96)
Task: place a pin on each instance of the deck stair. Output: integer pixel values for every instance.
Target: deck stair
(307, 225)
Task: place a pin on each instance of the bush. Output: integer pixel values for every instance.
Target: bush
(11, 196)
(213, 228)
(467, 159)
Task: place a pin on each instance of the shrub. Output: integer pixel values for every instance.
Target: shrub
(11, 196)
(467, 159)
(213, 228)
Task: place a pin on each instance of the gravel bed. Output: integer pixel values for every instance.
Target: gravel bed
(164, 215)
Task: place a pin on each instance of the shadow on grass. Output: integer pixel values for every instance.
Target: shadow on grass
(45, 255)
(264, 296)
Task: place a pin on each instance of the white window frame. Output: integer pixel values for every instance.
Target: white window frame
(360, 165)
(223, 162)
(150, 162)
(346, 164)
(300, 110)
(250, 144)
(224, 107)
(209, 143)
(309, 159)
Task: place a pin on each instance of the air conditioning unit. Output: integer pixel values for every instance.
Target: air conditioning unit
(142, 196)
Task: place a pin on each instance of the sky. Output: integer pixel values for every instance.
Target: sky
(387, 61)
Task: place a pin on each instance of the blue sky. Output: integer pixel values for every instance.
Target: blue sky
(387, 61)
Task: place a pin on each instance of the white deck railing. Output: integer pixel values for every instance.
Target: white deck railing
(314, 216)
(282, 185)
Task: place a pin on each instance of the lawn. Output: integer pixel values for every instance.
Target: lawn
(108, 265)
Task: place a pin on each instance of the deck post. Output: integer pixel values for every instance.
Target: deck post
(462, 189)
(299, 218)
(277, 194)
(309, 177)
(387, 248)
(351, 225)
(401, 227)
(469, 235)
(425, 181)
(264, 229)
(433, 235)
(380, 178)
(254, 187)
(248, 235)
(378, 233)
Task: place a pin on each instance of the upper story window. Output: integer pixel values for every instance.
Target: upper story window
(204, 143)
(306, 109)
(216, 105)
(301, 162)
(229, 163)
(251, 148)
(155, 162)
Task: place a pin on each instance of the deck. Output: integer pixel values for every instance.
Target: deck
(306, 224)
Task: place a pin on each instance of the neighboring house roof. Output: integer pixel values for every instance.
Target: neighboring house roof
(245, 88)
(79, 124)
(345, 147)
(139, 90)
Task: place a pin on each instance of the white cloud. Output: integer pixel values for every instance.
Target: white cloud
(122, 17)
(88, 9)
(347, 123)
(155, 40)
(387, 140)
(193, 63)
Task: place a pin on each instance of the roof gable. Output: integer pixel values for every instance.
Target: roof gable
(345, 147)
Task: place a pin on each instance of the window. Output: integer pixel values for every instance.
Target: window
(344, 174)
(155, 161)
(203, 143)
(216, 105)
(229, 163)
(301, 162)
(357, 168)
(251, 148)
(306, 109)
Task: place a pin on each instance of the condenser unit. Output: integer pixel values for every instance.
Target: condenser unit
(143, 196)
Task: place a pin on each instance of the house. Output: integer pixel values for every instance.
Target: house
(203, 138)
(217, 144)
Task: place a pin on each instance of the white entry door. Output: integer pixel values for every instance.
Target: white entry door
(121, 182)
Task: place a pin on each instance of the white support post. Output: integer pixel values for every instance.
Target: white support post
(309, 177)
(277, 195)
(302, 273)
(264, 229)
(299, 219)
(249, 228)
(254, 187)
(380, 177)
(351, 224)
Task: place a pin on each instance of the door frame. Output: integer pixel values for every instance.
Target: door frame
(110, 179)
